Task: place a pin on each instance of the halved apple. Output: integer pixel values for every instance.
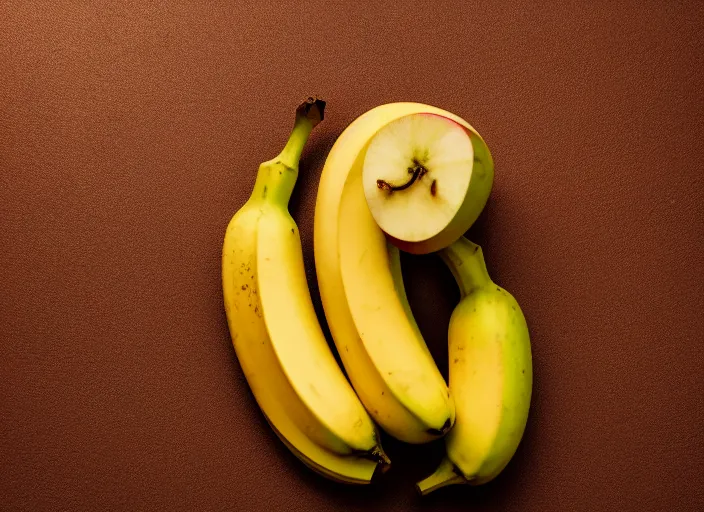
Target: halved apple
(426, 180)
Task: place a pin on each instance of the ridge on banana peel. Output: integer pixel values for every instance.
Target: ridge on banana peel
(361, 287)
(281, 348)
(491, 374)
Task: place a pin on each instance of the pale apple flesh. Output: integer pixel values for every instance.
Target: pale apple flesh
(426, 179)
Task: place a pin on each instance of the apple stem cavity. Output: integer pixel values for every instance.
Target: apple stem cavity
(417, 172)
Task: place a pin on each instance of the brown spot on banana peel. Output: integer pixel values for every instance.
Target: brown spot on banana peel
(434, 188)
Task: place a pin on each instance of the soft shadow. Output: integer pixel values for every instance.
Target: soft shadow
(432, 294)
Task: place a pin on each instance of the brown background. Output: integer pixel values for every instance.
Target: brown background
(130, 133)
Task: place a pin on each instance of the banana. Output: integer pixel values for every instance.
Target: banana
(361, 287)
(276, 335)
(491, 374)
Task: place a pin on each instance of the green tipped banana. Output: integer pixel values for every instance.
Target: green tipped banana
(490, 371)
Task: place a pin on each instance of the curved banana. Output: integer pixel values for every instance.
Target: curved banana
(361, 288)
(491, 374)
(279, 343)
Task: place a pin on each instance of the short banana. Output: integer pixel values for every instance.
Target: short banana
(361, 288)
(491, 374)
(278, 341)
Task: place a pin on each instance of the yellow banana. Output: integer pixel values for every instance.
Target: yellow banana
(276, 335)
(361, 288)
(491, 374)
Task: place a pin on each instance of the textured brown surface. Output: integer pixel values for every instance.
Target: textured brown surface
(130, 133)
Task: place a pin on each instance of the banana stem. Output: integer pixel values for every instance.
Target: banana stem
(308, 115)
(277, 177)
(465, 260)
(291, 154)
(444, 475)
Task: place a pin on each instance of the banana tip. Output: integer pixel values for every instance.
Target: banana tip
(312, 109)
(380, 471)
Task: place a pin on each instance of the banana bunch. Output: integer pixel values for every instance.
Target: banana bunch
(424, 174)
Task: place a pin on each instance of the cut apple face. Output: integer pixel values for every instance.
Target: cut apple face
(418, 181)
